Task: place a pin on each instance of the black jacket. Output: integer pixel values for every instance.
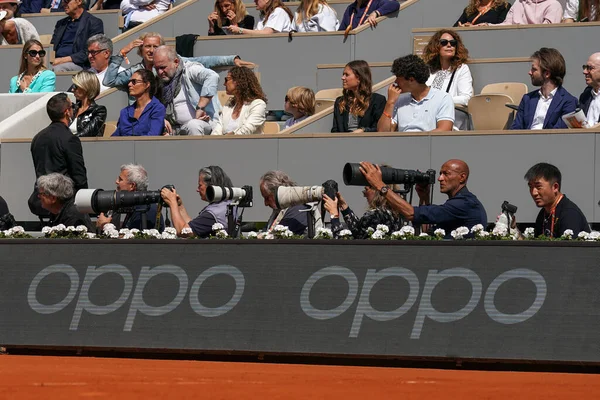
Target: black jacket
(91, 121)
(585, 100)
(368, 122)
(246, 23)
(70, 216)
(88, 27)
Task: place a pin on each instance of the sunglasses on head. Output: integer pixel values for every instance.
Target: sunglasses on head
(33, 53)
(444, 42)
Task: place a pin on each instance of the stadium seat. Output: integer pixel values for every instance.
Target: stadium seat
(223, 97)
(328, 94)
(515, 90)
(271, 128)
(109, 128)
(322, 104)
(488, 111)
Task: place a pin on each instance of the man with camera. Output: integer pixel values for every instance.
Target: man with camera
(216, 212)
(56, 192)
(295, 217)
(133, 178)
(461, 209)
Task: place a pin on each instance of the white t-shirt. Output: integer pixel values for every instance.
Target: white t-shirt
(324, 21)
(184, 111)
(279, 21)
(572, 10)
(422, 116)
(232, 125)
(100, 76)
(542, 109)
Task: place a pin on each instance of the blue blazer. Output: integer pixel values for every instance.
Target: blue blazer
(585, 100)
(151, 122)
(88, 27)
(562, 103)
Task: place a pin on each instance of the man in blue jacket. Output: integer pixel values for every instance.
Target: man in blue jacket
(70, 37)
(543, 109)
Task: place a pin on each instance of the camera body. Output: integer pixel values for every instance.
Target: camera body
(330, 188)
(508, 208)
(353, 176)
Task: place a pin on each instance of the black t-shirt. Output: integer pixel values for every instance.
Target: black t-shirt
(493, 16)
(566, 216)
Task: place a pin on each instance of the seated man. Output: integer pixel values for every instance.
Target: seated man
(589, 101)
(293, 217)
(100, 49)
(411, 104)
(56, 193)
(137, 12)
(189, 93)
(557, 213)
(31, 6)
(70, 37)
(133, 178)
(14, 30)
(201, 226)
(461, 209)
(543, 109)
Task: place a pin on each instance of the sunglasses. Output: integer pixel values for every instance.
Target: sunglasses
(94, 53)
(135, 81)
(444, 42)
(588, 67)
(287, 99)
(34, 53)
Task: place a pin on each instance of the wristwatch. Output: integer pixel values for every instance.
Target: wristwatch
(383, 191)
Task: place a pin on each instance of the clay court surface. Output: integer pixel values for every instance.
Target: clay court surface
(45, 377)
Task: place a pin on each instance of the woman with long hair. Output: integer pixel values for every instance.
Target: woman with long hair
(581, 11)
(275, 17)
(245, 112)
(358, 109)
(229, 13)
(33, 75)
(366, 12)
(315, 16)
(484, 11)
(146, 116)
(446, 57)
(88, 117)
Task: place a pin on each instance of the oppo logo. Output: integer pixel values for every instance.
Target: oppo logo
(133, 291)
(420, 296)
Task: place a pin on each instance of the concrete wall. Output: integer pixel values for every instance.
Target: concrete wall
(13, 103)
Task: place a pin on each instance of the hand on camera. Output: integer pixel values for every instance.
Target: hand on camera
(331, 205)
(103, 220)
(372, 174)
(170, 196)
(342, 205)
(423, 190)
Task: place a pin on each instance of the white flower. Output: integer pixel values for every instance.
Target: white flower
(186, 231)
(407, 230)
(114, 234)
(287, 233)
(252, 235)
(170, 230)
(59, 227)
(81, 228)
(282, 232)
(128, 235)
(345, 233)
(440, 233)
(17, 229)
(482, 234)
(460, 232)
(133, 231)
(500, 230)
(377, 235)
(150, 232)
(567, 234)
(396, 235)
(594, 235)
(324, 233)
(530, 233)
(71, 229)
(583, 235)
(269, 236)
(383, 228)
(217, 227)
(124, 231)
(423, 234)
(280, 228)
(370, 230)
(46, 230)
(167, 235)
(477, 228)
(109, 227)
(90, 235)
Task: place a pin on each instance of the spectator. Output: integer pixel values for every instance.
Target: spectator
(524, 12)
(133, 178)
(146, 44)
(12, 7)
(100, 49)
(292, 217)
(137, 12)
(56, 194)
(484, 12)
(201, 226)
(589, 101)
(300, 103)
(461, 209)
(106, 5)
(89, 117)
(275, 17)
(56, 149)
(229, 13)
(411, 104)
(71, 34)
(30, 6)
(358, 109)
(581, 11)
(543, 109)
(379, 213)
(366, 12)
(146, 116)
(14, 30)
(557, 213)
(33, 76)
(245, 113)
(447, 58)
(315, 16)
(190, 93)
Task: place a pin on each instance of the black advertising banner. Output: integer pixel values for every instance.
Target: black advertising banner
(495, 300)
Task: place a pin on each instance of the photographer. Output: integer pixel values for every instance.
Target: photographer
(292, 217)
(201, 226)
(133, 177)
(461, 209)
(55, 192)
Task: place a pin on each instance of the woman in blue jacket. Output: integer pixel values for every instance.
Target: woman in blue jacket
(366, 12)
(33, 75)
(146, 116)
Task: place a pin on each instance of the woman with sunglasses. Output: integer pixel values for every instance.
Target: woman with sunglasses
(88, 117)
(446, 57)
(245, 112)
(14, 30)
(146, 116)
(33, 75)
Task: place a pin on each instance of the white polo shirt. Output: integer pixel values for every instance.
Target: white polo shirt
(422, 116)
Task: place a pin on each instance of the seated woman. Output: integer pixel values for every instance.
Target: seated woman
(300, 102)
(245, 112)
(88, 117)
(525, 12)
(358, 109)
(33, 75)
(229, 13)
(56, 192)
(366, 12)
(14, 30)
(146, 116)
(275, 17)
(136, 12)
(446, 57)
(484, 11)
(379, 212)
(315, 16)
(581, 11)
